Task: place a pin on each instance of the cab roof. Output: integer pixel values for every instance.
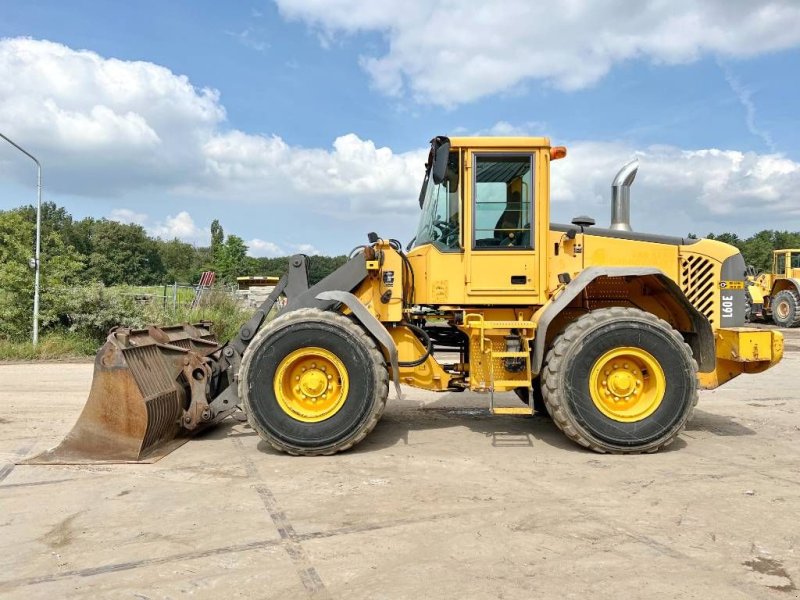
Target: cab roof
(499, 142)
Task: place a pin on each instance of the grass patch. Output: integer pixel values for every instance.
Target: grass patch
(226, 314)
(78, 326)
(52, 346)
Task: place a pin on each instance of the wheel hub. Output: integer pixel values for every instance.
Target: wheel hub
(627, 384)
(311, 384)
(621, 383)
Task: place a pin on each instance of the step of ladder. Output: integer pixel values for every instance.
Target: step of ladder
(502, 324)
(512, 410)
(512, 383)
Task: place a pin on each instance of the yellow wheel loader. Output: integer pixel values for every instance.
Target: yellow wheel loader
(609, 331)
(776, 295)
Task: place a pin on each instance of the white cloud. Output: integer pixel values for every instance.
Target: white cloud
(105, 127)
(307, 249)
(126, 215)
(745, 96)
(454, 51)
(250, 38)
(354, 175)
(126, 124)
(257, 247)
(506, 129)
(181, 226)
(677, 190)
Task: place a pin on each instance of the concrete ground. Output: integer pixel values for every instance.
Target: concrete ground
(440, 501)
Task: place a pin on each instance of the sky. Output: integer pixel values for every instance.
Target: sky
(302, 125)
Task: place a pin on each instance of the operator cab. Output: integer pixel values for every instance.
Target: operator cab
(786, 263)
(502, 200)
(484, 215)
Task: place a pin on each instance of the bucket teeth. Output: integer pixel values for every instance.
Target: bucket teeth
(138, 399)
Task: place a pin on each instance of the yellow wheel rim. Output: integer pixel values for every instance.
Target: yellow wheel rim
(627, 384)
(782, 309)
(311, 384)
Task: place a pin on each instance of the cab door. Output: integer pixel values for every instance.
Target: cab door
(794, 260)
(500, 243)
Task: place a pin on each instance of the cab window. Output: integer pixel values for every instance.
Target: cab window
(440, 221)
(503, 202)
(780, 264)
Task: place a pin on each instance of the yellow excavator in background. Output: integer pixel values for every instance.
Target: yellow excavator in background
(609, 331)
(776, 295)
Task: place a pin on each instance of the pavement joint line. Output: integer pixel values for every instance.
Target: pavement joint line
(135, 564)
(308, 574)
(11, 584)
(6, 469)
(34, 483)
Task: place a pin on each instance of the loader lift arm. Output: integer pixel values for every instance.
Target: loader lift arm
(294, 285)
(152, 388)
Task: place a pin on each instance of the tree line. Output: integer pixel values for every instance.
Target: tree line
(86, 263)
(757, 249)
(114, 253)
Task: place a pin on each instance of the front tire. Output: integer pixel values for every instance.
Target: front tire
(313, 382)
(786, 308)
(620, 380)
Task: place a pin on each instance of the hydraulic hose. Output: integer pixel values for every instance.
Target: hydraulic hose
(426, 339)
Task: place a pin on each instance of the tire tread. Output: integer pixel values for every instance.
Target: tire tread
(794, 297)
(338, 320)
(555, 398)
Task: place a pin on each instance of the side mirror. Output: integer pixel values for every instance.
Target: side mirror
(440, 149)
(436, 167)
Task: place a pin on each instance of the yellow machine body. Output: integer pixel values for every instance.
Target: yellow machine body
(776, 294)
(510, 295)
(472, 285)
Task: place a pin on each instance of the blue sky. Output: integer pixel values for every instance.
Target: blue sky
(301, 124)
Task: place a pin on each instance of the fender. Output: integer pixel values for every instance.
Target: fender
(371, 324)
(785, 283)
(701, 340)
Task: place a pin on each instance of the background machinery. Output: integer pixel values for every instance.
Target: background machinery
(610, 331)
(776, 295)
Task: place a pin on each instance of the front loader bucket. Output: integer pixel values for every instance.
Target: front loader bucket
(140, 393)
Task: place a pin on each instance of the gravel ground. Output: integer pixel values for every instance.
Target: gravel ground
(442, 500)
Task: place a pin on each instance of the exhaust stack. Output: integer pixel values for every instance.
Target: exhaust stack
(621, 196)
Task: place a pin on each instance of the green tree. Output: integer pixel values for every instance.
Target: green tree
(123, 254)
(179, 260)
(217, 239)
(322, 266)
(231, 261)
(264, 265)
(60, 266)
(757, 249)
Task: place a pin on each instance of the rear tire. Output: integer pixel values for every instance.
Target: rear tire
(335, 415)
(786, 308)
(638, 402)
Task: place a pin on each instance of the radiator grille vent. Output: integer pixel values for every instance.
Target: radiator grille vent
(697, 282)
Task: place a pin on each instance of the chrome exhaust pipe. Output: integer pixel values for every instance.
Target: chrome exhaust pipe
(621, 196)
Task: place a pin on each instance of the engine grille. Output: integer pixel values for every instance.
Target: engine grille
(698, 278)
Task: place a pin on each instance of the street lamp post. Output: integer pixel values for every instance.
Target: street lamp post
(38, 236)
